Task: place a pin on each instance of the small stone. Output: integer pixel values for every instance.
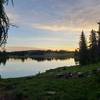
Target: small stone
(80, 74)
(51, 92)
(59, 75)
(98, 69)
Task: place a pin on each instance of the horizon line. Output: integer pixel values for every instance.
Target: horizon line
(19, 48)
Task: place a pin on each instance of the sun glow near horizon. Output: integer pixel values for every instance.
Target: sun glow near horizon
(16, 48)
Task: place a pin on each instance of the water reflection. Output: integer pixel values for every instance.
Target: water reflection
(20, 66)
(4, 58)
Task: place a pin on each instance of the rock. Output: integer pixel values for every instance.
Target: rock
(75, 75)
(94, 71)
(50, 92)
(8, 96)
(89, 74)
(80, 74)
(60, 75)
(98, 69)
(66, 75)
(70, 74)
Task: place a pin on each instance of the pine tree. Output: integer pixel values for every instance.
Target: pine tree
(98, 44)
(98, 48)
(93, 47)
(83, 50)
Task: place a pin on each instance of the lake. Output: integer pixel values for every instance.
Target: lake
(29, 67)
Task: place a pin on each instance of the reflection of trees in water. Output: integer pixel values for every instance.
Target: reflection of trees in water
(3, 61)
(4, 57)
(39, 59)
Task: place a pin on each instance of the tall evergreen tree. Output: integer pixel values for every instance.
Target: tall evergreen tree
(93, 47)
(83, 50)
(98, 50)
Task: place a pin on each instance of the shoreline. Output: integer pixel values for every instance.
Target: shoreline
(63, 69)
(52, 85)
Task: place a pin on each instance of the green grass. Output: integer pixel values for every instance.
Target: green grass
(38, 87)
(87, 68)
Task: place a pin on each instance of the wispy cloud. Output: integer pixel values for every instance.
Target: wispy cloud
(55, 28)
(57, 15)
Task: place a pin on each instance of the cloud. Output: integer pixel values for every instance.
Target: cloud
(43, 19)
(56, 15)
(55, 28)
(64, 27)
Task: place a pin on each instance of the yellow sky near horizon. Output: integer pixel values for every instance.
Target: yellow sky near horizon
(30, 48)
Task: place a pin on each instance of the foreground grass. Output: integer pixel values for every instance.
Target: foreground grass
(46, 87)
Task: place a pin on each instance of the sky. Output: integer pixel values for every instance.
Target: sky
(51, 24)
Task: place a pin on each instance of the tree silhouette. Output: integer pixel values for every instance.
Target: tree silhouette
(93, 47)
(92, 54)
(4, 23)
(83, 50)
(98, 50)
(76, 56)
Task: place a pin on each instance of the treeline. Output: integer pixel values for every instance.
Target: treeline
(89, 52)
(39, 54)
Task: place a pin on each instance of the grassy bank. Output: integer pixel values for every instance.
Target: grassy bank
(48, 87)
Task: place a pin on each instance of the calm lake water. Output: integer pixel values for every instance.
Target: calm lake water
(17, 68)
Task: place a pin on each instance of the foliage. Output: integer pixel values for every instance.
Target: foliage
(98, 48)
(89, 54)
(93, 47)
(4, 23)
(83, 51)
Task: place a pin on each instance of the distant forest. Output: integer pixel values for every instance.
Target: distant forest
(39, 53)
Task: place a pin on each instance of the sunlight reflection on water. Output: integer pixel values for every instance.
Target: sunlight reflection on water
(17, 68)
